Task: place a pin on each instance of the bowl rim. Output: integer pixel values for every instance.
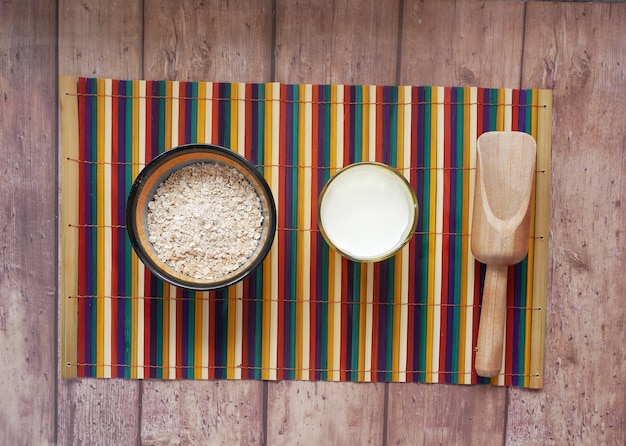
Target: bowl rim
(138, 193)
(411, 229)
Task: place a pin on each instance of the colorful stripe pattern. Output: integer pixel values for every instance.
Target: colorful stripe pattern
(306, 313)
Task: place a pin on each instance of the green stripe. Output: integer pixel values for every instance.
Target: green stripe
(493, 117)
(193, 137)
(458, 260)
(294, 234)
(522, 321)
(128, 303)
(393, 127)
(425, 238)
(358, 124)
(260, 143)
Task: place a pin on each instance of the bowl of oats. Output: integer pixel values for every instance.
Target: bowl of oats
(201, 216)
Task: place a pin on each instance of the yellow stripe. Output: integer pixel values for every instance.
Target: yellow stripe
(369, 317)
(234, 112)
(202, 105)
(107, 252)
(500, 118)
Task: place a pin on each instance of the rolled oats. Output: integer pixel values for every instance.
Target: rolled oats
(205, 220)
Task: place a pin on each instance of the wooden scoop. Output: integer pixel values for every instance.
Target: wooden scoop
(505, 178)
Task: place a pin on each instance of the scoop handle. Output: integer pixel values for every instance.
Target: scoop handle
(492, 317)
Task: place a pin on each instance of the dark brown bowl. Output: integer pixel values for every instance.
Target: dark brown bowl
(155, 173)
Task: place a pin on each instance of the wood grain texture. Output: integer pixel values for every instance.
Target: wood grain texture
(460, 42)
(209, 40)
(98, 38)
(27, 222)
(206, 41)
(340, 42)
(202, 412)
(430, 414)
(580, 54)
(325, 413)
(98, 411)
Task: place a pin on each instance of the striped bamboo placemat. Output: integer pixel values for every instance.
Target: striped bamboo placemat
(306, 313)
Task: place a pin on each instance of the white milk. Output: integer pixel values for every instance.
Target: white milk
(367, 211)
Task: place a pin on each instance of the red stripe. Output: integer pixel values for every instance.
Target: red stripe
(314, 233)
(211, 341)
(281, 208)
(347, 100)
(515, 111)
(245, 326)
(146, 330)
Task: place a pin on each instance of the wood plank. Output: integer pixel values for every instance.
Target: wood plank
(200, 412)
(27, 222)
(427, 414)
(581, 56)
(460, 43)
(206, 41)
(209, 40)
(325, 413)
(99, 38)
(453, 43)
(98, 411)
(343, 43)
